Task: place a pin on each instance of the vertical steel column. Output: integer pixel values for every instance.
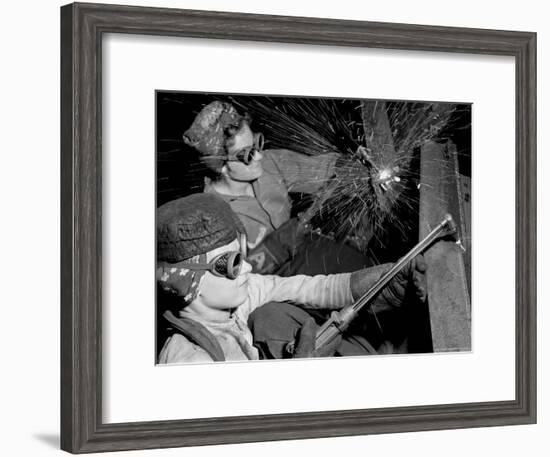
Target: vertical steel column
(448, 285)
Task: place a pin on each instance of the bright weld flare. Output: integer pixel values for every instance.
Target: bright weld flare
(384, 175)
(387, 176)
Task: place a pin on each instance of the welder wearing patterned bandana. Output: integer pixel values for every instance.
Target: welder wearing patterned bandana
(174, 277)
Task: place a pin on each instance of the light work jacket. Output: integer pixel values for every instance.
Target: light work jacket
(233, 334)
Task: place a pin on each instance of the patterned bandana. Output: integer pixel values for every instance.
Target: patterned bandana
(175, 278)
(207, 133)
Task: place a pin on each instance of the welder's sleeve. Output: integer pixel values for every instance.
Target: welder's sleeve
(320, 291)
(303, 173)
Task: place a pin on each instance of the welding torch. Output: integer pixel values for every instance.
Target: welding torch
(340, 320)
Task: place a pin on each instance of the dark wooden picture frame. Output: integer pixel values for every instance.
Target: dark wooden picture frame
(82, 29)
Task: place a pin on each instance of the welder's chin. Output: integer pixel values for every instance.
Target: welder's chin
(223, 293)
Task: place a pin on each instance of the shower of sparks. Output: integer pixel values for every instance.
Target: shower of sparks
(375, 143)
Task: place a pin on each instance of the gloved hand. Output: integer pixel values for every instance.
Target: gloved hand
(305, 342)
(413, 275)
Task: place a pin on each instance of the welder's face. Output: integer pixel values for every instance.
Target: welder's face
(243, 145)
(217, 292)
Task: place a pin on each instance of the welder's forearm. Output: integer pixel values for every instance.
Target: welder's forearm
(319, 292)
(304, 173)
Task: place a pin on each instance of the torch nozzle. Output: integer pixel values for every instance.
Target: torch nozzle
(453, 230)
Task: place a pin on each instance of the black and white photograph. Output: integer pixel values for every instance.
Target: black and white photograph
(265, 229)
(298, 227)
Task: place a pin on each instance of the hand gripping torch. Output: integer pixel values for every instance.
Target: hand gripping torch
(340, 320)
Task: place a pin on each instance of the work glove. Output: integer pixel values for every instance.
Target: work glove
(305, 342)
(412, 277)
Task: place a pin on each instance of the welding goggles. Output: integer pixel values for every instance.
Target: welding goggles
(226, 265)
(246, 155)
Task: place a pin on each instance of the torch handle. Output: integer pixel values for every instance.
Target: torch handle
(339, 321)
